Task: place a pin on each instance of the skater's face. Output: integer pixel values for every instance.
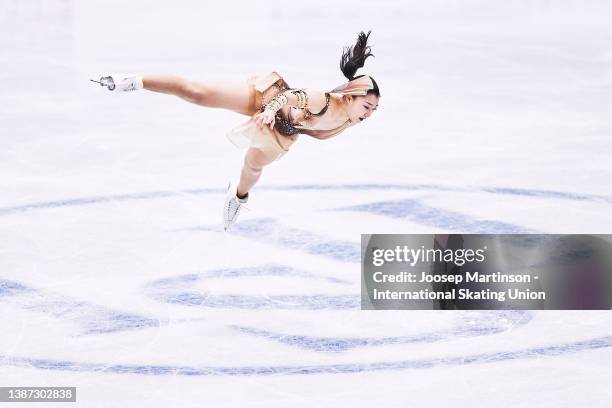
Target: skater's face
(360, 108)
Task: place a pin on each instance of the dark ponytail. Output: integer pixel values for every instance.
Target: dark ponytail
(354, 57)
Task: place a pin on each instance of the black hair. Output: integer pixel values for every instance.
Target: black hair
(375, 89)
(354, 58)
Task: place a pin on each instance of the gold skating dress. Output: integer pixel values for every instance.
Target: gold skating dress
(290, 122)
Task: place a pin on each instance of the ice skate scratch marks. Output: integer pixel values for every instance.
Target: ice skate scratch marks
(472, 324)
(270, 231)
(92, 319)
(177, 290)
(464, 360)
(419, 213)
(316, 187)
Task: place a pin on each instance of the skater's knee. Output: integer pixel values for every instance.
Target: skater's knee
(256, 159)
(194, 92)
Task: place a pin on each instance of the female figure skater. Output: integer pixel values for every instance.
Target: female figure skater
(278, 113)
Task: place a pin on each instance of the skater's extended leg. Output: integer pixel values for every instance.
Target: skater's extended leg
(235, 97)
(254, 162)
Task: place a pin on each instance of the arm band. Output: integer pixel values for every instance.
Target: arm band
(302, 98)
(276, 103)
(281, 100)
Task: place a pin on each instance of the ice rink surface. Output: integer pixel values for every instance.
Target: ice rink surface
(115, 276)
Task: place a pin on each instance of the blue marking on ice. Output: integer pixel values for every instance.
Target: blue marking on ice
(264, 270)
(462, 360)
(9, 288)
(270, 270)
(308, 302)
(419, 213)
(547, 194)
(179, 290)
(75, 202)
(268, 230)
(92, 319)
(316, 187)
(474, 324)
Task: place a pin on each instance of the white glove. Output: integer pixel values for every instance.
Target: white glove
(121, 82)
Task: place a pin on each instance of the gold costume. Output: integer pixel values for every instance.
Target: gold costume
(274, 143)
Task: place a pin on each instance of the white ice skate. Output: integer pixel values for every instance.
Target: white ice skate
(120, 82)
(232, 206)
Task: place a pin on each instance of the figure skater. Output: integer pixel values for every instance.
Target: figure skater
(278, 113)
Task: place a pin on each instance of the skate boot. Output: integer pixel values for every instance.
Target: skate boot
(121, 82)
(232, 206)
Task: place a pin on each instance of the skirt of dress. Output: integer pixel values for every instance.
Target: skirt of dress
(272, 143)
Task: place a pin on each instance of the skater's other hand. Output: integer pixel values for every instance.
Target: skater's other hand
(265, 118)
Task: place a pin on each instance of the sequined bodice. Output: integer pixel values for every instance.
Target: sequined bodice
(290, 125)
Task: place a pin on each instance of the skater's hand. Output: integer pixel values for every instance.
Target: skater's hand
(265, 118)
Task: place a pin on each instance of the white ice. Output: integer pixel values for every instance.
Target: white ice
(115, 276)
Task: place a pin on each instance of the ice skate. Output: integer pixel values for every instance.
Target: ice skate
(232, 206)
(120, 82)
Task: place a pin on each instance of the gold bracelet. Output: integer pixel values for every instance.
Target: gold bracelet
(276, 103)
(302, 98)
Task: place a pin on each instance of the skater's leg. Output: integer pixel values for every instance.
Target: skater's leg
(254, 162)
(234, 97)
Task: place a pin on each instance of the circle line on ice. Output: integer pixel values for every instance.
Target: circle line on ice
(150, 195)
(311, 242)
(347, 368)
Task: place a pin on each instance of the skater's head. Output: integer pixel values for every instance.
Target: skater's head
(359, 108)
(361, 93)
